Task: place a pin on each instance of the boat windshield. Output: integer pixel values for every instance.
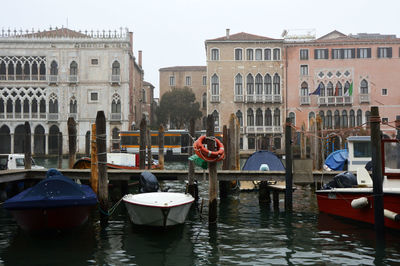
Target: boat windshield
(3, 162)
(362, 149)
(391, 157)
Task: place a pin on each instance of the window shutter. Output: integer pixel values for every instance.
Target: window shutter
(358, 52)
(377, 53)
(326, 53)
(389, 52)
(353, 53)
(341, 53)
(369, 52)
(315, 53)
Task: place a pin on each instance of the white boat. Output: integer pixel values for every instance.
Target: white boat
(15, 161)
(159, 209)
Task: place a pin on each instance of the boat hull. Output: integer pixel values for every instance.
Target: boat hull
(51, 218)
(158, 212)
(339, 203)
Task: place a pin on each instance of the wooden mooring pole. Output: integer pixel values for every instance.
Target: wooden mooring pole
(142, 144)
(148, 144)
(94, 174)
(377, 172)
(212, 170)
(60, 149)
(192, 186)
(71, 141)
(102, 165)
(161, 147)
(28, 146)
(289, 174)
(224, 186)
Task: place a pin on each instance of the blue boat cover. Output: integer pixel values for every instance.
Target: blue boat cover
(258, 158)
(55, 191)
(337, 159)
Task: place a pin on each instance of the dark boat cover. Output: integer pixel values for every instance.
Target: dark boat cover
(263, 157)
(148, 182)
(342, 180)
(55, 191)
(336, 160)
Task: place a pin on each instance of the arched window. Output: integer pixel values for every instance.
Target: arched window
(35, 108)
(35, 71)
(11, 71)
(2, 115)
(337, 119)
(277, 54)
(215, 115)
(238, 85)
(73, 69)
(18, 70)
(115, 133)
(364, 87)
(346, 89)
(214, 54)
(323, 120)
(73, 109)
(144, 97)
(311, 119)
(277, 117)
(3, 71)
(26, 108)
(42, 107)
(267, 54)
(54, 68)
(292, 118)
(345, 122)
(304, 89)
(328, 119)
(250, 117)
(53, 104)
(268, 84)
(9, 107)
(277, 84)
(42, 71)
(259, 84)
(329, 89)
(116, 68)
(367, 118)
(339, 89)
(239, 116)
(359, 117)
(322, 89)
(204, 100)
(116, 104)
(259, 117)
(352, 119)
(18, 108)
(268, 117)
(250, 84)
(214, 85)
(27, 71)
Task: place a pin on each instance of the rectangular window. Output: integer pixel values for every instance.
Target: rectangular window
(188, 81)
(172, 81)
(277, 54)
(363, 52)
(267, 54)
(303, 54)
(93, 96)
(249, 54)
(238, 54)
(258, 54)
(337, 54)
(94, 61)
(204, 80)
(214, 54)
(348, 53)
(385, 120)
(384, 52)
(321, 53)
(304, 70)
(384, 92)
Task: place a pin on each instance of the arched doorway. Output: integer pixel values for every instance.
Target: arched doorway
(39, 141)
(19, 139)
(53, 139)
(5, 139)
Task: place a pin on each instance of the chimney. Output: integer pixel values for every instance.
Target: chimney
(131, 39)
(140, 59)
(227, 33)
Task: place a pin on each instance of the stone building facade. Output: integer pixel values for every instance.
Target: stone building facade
(47, 77)
(245, 76)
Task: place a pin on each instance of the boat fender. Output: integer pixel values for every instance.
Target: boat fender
(359, 203)
(391, 215)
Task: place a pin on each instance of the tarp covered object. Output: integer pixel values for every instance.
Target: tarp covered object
(263, 157)
(336, 160)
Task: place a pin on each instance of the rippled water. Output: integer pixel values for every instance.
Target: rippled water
(246, 234)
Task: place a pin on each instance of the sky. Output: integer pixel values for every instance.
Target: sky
(172, 32)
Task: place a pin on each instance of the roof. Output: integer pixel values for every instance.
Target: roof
(242, 36)
(145, 83)
(58, 33)
(336, 36)
(184, 68)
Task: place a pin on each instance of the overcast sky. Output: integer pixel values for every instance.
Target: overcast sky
(172, 32)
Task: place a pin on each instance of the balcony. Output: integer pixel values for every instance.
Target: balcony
(73, 79)
(115, 79)
(22, 78)
(305, 100)
(263, 129)
(277, 98)
(239, 98)
(335, 100)
(52, 117)
(250, 99)
(115, 117)
(364, 98)
(215, 98)
(53, 79)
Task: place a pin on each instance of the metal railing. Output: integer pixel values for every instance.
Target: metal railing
(115, 116)
(239, 98)
(115, 79)
(214, 98)
(52, 116)
(53, 79)
(73, 78)
(335, 100)
(305, 100)
(364, 98)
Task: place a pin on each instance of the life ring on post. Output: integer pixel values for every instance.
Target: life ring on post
(207, 155)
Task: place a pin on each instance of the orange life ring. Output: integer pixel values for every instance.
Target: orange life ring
(207, 155)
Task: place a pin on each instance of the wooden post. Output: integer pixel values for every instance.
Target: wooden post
(377, 172)
(94, 175)
(142, 144)
(28, 146)
(71, 141)
(161, 147)
(318, 143)
(312, 140)
(60, 150)
(397, 125)
(289, 174)
(212, 168)
(102, 164)
(303, 151)
(87, 144)
(148, 144)
(224, 186)
(192, 186)
(275, 196)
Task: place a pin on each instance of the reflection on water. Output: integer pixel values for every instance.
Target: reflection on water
(247, 233)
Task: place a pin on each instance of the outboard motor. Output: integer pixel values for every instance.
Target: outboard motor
(148, 182)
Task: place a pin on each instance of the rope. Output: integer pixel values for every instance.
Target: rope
(111, 210)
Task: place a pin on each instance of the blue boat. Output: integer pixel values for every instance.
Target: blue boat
(56, 202)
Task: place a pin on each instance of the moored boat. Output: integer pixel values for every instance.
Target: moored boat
(55, 203)
(126, 161)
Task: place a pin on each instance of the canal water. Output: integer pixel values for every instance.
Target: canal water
(247, 233)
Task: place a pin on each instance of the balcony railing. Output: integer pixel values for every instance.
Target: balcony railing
(250, 98)
(215, 98)
(364, 98)
(52, 117)
(263, 98)
(263, 129)
(53, 79)
(335, 100)
(73, 79)
(305, 100)
(20, 78)
(277, 98)
(115, 79)
(115, 116)
(239, 98)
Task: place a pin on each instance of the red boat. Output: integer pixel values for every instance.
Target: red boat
(357, 202)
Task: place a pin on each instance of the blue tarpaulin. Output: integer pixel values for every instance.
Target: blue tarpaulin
(258, 158)
(337, 159)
